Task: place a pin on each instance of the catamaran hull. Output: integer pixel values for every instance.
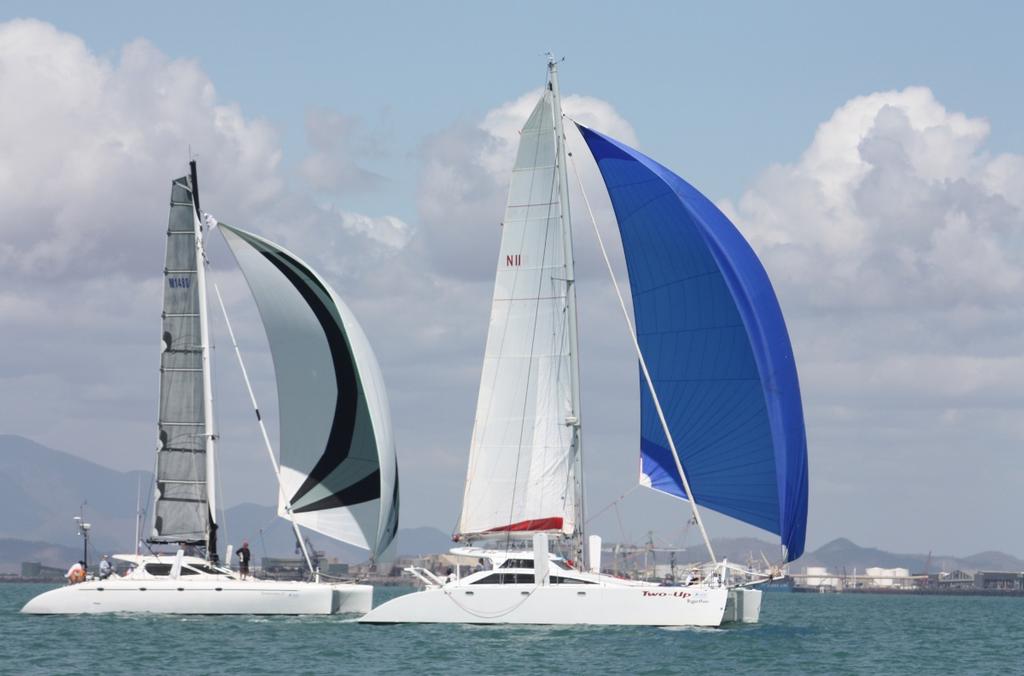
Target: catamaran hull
(183, 597)
(744, 605)
(563, 604)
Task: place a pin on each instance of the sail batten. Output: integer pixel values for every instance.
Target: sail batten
(338, 470)
(712, 334)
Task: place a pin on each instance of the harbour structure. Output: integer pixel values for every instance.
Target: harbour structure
(999, 581)
(901, 580)
(34, 570)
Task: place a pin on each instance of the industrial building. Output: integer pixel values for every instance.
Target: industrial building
(895, 580)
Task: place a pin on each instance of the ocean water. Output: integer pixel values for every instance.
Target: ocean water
(798, 633)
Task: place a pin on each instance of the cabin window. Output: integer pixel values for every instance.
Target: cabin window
(197, 568)
(528, 563)
(558, 579)
(158, 569)
(526, 578)
(506, 578)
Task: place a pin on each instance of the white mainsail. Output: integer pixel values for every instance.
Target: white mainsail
(338, 471)
(523, 462)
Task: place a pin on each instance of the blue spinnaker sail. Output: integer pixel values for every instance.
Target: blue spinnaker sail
(714, 339)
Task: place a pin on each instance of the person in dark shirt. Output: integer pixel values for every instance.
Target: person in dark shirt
(243, 560)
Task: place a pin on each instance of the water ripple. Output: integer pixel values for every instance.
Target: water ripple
(799, 633)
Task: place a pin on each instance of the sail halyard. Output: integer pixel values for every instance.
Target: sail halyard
(574, 420)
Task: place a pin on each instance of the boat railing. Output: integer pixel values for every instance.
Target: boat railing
(425, 576)
(723, 573)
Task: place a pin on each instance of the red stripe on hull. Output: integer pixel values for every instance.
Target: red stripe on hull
(551, 523)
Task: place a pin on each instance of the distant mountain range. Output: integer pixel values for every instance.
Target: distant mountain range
(13, 551)
(842, 553)
(41, 489)
(269, 535)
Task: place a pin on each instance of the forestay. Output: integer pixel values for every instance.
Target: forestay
(339, 473)
(521, 475)
(182, 513)
(712, 334)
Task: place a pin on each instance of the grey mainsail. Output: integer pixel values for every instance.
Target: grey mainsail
(182, 512)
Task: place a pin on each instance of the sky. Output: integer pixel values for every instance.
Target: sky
(872, 153)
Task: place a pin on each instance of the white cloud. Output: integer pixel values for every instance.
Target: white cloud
(390, 231)
(337, 141)
(895, 212)
(895, 244)
(90, 146)
(464, 181)
(894, 204)
(502, 125)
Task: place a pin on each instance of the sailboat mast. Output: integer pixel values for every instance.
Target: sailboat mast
(204, 338)
(138, 512)
(573, 420)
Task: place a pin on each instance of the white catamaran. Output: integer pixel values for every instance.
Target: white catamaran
(337, 472)
(719, 399)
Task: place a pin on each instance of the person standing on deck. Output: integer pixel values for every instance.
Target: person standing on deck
(105, 568)
(243, 560)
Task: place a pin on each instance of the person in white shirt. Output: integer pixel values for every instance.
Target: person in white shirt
(105, 568)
